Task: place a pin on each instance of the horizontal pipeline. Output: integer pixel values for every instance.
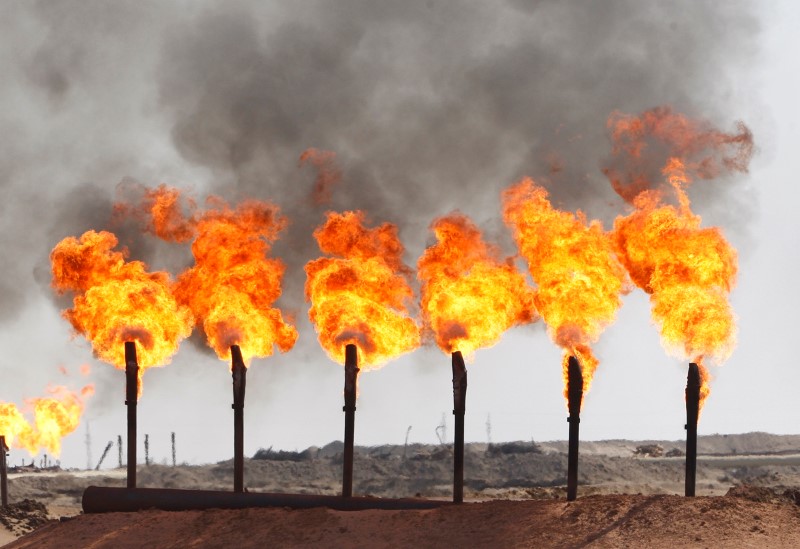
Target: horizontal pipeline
(97, 499)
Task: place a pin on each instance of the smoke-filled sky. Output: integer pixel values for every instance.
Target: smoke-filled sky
(429, 107)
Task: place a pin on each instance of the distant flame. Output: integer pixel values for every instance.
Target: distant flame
(233, 284)
(361, 296)
(54, 416)
(16, 429)
(572, 262)
(118, 301)
(469, 296)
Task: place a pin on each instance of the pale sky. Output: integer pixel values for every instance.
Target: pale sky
(428, 112)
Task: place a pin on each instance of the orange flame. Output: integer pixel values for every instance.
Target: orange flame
(16, 429)
(328, 173)
(687, 270)
(572, 262)
(233, 284)
(360, 297)
(118, 301)
(469, 296)
(55, 417)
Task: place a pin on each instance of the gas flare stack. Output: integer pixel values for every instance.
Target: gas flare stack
(692, 416)
(3, 472)
(350, 390)
(131, 398)
(459, 408)
(239, 380)
(574, 398)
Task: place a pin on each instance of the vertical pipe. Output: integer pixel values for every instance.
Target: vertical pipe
(692, 415)
(173, 449)
(459, 408)
(146, 449)
(239, 380)
(350, 391)
(119, 450)
(131, 397)
(574, 397)
(3, 472)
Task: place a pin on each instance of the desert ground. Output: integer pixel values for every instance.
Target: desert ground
(630, 495)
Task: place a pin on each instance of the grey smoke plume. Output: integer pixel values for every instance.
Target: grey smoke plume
(429, 106)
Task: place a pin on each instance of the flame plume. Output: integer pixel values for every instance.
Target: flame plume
(688, 270)
(469, 296)
(55, 417)
(572, 262)
(118, 301)
(233, 284)
(360, 296)
(161, 213)
(638, 140)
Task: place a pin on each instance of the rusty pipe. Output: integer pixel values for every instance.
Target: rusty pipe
(692, 416)
(574, 398)
(350, 392)
(459, 409)
(104, 499)
(131, 398)
(239, 381)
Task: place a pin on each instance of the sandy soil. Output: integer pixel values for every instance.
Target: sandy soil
(592, 521)
(515, 494)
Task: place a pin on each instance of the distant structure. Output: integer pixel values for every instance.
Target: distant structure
(88, 441)
(441, 430)
(103, 457)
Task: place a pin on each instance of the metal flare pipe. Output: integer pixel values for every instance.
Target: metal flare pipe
(239, 372)
(459, 409)
(3, 472)
(574, 398)
(131, 398)
(692, 416)
(350, 391)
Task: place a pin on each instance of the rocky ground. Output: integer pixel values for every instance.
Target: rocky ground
(628, 494)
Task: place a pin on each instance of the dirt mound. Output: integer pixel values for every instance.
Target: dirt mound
(596, 521)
